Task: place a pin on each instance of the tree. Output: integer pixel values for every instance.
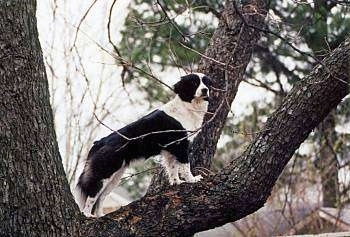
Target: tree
(35, 196)
(36, 199)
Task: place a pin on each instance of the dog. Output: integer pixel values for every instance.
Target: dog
(167, 131)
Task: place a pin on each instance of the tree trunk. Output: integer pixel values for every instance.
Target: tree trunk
(34, 194)
(232, 44)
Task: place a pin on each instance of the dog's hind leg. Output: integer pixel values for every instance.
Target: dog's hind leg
(91, 200)
(97, 209)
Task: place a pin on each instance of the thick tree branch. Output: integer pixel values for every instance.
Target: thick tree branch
(243, 186)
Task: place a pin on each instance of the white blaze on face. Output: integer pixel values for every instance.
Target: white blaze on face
(201, 85)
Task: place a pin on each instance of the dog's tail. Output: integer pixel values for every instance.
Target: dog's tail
(79, 193)
(80, 196)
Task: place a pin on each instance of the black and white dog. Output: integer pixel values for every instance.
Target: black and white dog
(166, 131)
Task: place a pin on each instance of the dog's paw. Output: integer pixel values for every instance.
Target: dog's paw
(176, 182)
(197, 178)
(87, 214)
(194, 179)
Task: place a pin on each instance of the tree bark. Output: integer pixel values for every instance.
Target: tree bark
(242, 187)
(34, 196)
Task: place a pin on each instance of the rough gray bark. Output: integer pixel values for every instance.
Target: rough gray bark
(243, 187)
(34, 194)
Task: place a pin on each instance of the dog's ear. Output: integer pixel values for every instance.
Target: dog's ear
(182, 90)
(179, 86)
(207, 81)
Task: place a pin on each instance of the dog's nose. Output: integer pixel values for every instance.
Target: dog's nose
(204, 91)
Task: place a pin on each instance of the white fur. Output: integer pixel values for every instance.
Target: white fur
(185, 172)
(189, 115)
(201, 85)
(174, 168)
(79, 197)
(171, 166)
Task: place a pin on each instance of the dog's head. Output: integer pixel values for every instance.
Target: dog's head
(193, 86)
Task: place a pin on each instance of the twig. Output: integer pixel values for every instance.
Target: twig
(172, 21)
(124, 179)
(80, 22)
(265, 30)
(124, 65)
(122, 61)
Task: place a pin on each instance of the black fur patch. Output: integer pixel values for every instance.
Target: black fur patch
(187, 86)
(207, 81)
(108, 154)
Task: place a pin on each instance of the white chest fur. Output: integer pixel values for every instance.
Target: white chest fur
(190, 115)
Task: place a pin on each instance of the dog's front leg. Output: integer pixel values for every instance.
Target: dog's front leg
(173, 174)
(185, 172)
(171, 166)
